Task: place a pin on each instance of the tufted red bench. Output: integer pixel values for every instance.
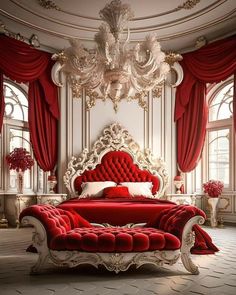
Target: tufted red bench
(70, 240)
(115, 239)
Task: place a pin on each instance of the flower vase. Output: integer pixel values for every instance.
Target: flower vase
(20, 182)
(213, 202)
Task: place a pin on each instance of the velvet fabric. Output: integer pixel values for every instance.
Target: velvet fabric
(116, 211)
(2, 102)
(210, 64)
(22, 63)
(43, 129)
(170, 222)
(234, 103)
(116, 192)
(55, 220)
(173, 220)
(115, 239)
(117, 166)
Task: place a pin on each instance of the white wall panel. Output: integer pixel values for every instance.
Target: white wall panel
(153, 129)
(77, 118)
(157, 126)
(129, 115)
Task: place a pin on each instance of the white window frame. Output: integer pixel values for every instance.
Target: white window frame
(213, 90)
(9, 123)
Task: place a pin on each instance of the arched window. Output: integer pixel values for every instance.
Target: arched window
(15, 134)
(219, 151)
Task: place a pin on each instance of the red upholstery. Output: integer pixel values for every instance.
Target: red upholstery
(117, 166)
(116, 192)
(68, 230)
(115, 239)
(174, 219)
(56, 221)
(117, 211)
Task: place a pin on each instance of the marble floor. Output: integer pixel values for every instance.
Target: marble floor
(217, 272)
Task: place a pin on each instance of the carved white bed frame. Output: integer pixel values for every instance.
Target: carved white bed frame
(114, 138)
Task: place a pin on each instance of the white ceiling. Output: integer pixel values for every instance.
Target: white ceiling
(177, 27)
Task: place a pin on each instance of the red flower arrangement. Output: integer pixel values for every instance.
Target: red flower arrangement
(213, 188)
(19, 159)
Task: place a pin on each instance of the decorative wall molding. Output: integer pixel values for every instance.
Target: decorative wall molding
(1, 203)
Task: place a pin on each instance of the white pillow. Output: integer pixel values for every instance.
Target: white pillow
(95, 189)
(139, 188)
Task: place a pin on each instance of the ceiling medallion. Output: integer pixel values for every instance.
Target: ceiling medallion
(113, 70)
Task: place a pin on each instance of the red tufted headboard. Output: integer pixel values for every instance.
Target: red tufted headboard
(117, 166)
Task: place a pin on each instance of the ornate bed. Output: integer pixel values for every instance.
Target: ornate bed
(119, 228)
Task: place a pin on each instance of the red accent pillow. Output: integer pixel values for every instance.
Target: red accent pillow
(116, 192)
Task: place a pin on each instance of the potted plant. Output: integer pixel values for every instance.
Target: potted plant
(20, 160)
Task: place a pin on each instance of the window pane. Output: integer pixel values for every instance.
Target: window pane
(16, 103)
(218, 156)
(20, 138)
(221, 106)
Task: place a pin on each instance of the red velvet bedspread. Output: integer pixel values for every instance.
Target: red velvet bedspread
(136, 210)
(118, 211)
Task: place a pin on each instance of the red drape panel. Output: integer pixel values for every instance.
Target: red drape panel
(22, 63)
(234, 103)
(40, 121)
(2, 102)
(191, 129)
(212, 63)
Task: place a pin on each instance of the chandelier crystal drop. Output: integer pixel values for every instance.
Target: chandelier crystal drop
(113, 70)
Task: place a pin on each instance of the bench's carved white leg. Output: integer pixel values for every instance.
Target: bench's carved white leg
(188, 239)
(39, 239)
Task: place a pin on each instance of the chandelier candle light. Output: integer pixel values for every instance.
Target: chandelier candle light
(113, 70)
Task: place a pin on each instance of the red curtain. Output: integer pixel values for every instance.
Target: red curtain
(212, 63)
(234, 103)
(22, 63)
(2, 102)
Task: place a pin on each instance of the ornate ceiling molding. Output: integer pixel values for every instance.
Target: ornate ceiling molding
(189, 4)
(48, 4)
(166, 37)
(140, 29)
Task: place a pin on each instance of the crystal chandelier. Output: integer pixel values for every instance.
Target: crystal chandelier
(113, 70)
